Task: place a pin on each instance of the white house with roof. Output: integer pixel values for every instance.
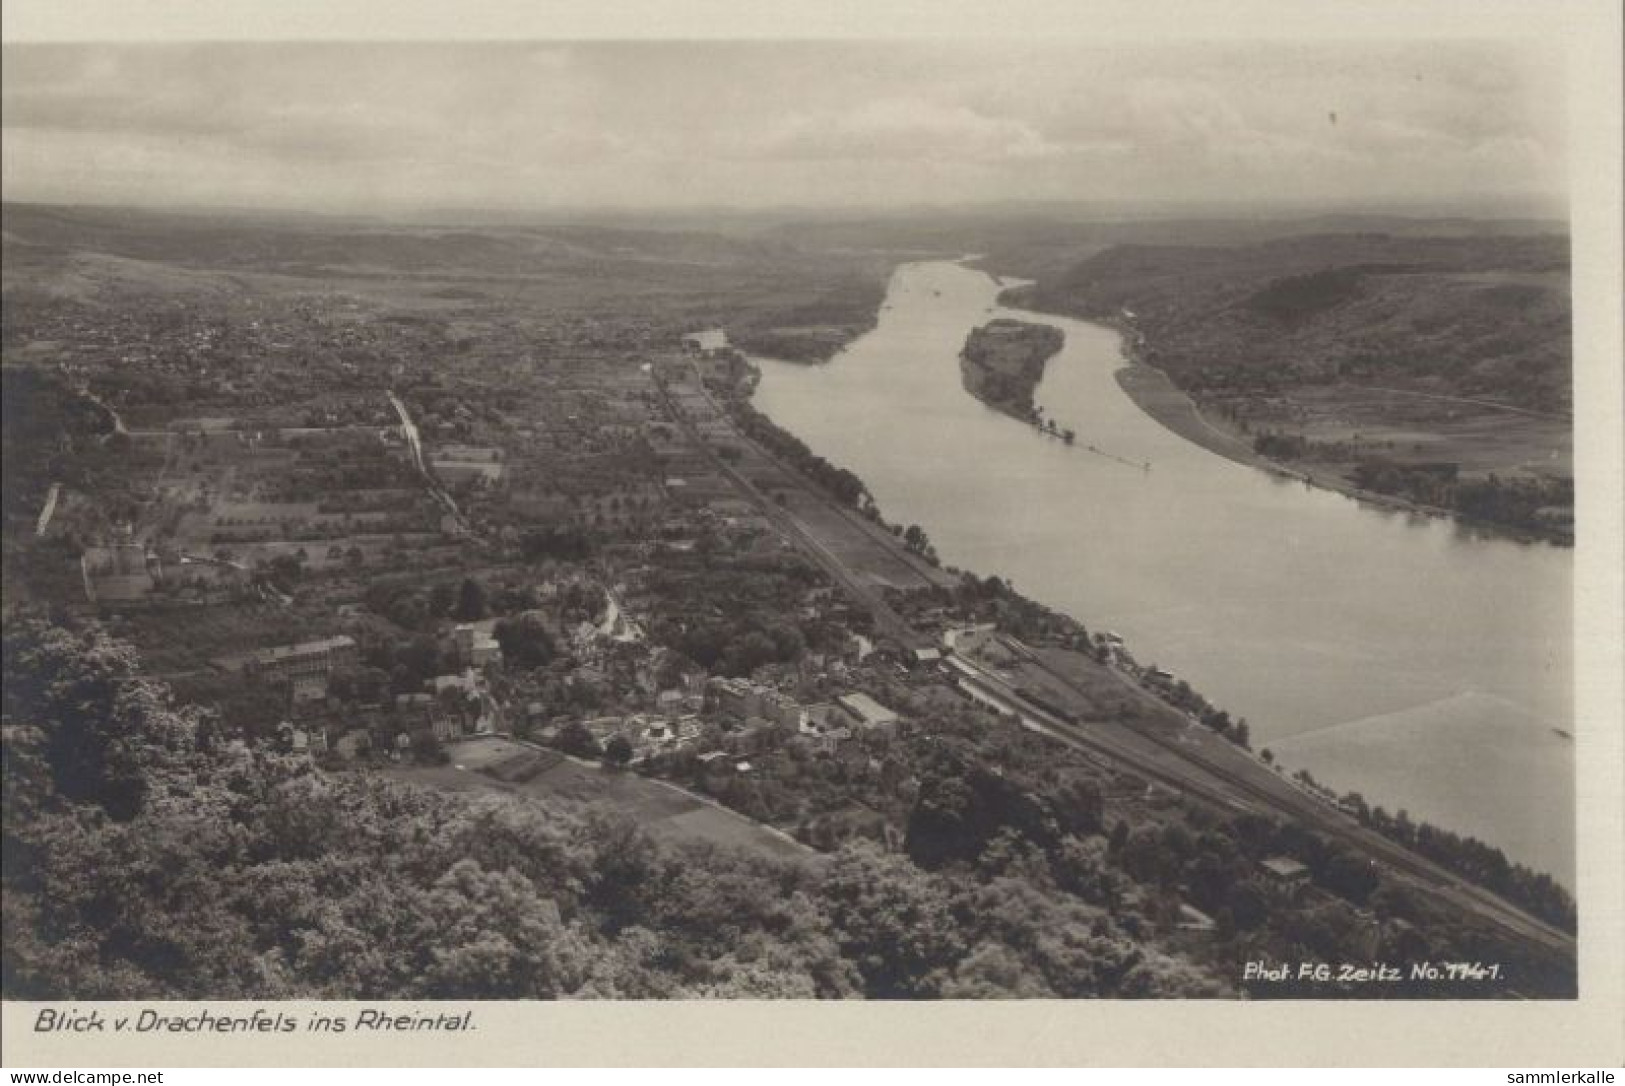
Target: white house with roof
(866, 711)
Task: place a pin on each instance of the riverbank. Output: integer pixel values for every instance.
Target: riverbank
(813, 332)
(1435, 610)
(1169, 715)
(1155, 393)
(803, 346)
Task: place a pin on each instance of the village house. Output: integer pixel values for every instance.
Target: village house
(353, 743)
(468, 694)
(924, 657)
(967, 640)
(781, 709)
(604, 728)
(304, 667)
(866, 711)
(475, 646)
(294, 739)
(858, 648)
(822, 728)
(734, 698)
(1285, 872)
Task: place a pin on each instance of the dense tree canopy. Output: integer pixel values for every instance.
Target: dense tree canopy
(150, 853)
(150, 856)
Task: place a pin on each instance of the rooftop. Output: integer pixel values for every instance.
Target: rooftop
(304, 648)
(865, 708)
(1284, 867)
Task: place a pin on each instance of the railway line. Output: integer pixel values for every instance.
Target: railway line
(1230, 788)
(886, 617)
(1182, 768)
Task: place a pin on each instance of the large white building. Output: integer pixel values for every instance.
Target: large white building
(306, 666)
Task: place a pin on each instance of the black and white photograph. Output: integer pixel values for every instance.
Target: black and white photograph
(936, 518)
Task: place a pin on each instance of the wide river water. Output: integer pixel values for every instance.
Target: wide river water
(1399, 655)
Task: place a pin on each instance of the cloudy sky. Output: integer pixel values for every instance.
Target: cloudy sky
(406, 126)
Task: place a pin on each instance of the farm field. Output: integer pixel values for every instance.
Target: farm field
(855, 547)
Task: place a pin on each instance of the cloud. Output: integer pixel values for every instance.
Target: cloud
(902, 128)
(476, 125)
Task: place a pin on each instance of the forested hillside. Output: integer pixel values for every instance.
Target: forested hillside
(147, 856)
(1476, 316)
(1433, 371)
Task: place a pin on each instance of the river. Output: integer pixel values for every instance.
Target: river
(1399, 655)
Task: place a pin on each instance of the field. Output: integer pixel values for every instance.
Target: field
(854, 544)
(1410, 427)
(664, 810)
(859, 545)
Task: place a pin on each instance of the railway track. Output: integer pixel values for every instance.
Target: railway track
(865, 594)
(1317, 814)
(1221, 786)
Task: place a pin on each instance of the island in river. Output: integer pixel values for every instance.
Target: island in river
(1257, 609)
(1003, 361)
(1429, 373)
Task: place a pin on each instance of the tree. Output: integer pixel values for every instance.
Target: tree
(894, 922)
(358, 684)
(81, 726)
(618, 750)
(442, 598)
(428, 747)
(1118, 840)
(525, 642)
(575, 738)
(1349, 876)
(284, 571)
(962, 809)
(1079, 806)
(1247, 906)
(470, 601)
(418, 659)
(746, 653)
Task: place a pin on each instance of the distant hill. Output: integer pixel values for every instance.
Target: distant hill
(772, 293)
(1432, 371)
(1481, 315)
(1046, 243)
(201, 240)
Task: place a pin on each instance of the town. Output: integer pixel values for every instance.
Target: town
(418, 529)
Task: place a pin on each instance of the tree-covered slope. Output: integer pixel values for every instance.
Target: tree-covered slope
(1466, 316)
(148, 856)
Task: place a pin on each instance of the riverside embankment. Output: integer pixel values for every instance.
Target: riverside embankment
(1395, 654)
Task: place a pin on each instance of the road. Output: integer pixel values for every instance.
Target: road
(1464, 400)
(410, 431)
(46, 513)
